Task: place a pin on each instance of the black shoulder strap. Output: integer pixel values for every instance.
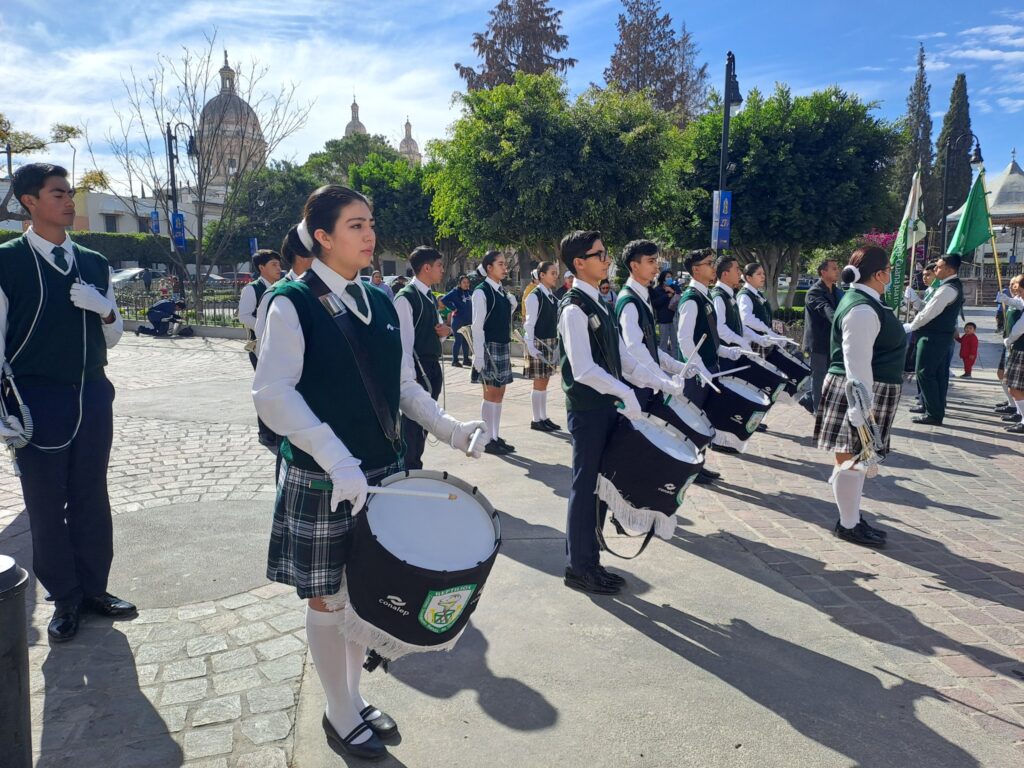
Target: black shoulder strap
(343, 320)
(603, 544)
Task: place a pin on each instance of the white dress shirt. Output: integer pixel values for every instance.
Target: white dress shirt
(286, 412)
(261, 311)
(688, 321)
(941, 298)
(750, 321)
(725, 333)
(1017, 330)
(480, 315)
(575, 334)
(532, 313)
(633, 335)
(247, 309)
(407, 321)
(111, 331)
(860, 329)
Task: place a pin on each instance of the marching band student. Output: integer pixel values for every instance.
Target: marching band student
(1009, 408)
(596, 366)
(492, 329)
(1013, 323)
(541, 335)
(336, 407)
(294, 256)
(755, 308)
(868, 346)
(697, 320)
(268, 263)
(422, 331)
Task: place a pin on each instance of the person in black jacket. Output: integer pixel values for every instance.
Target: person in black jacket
(661, 297)
(819, 308)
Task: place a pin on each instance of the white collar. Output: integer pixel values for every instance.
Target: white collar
(725, 288)
(700, 287)
(591, 291)
(638, 289)
(43, 245)
(753, 290)
(869, 291)
(421, 286)
(291, 275)
(334, 281)
(543, 289)
(262, 279)
(943, 282)
(495, 285)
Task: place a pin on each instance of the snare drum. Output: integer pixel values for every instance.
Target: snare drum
(418, 566)
(793, 367)
(762, 375)
(645, 471)
(735, 412)
(687, 418)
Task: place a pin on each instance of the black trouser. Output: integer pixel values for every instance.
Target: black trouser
(590, 431)
(414, 435)
(65, 492)
(460, 343)
(932, 370)
(267, 435)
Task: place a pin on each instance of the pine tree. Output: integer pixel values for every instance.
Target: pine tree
(645, 56)
(956, 123)
(691, 79)
(522, 36)
(917, 148)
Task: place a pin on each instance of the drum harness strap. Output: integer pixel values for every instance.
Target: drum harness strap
(594, 321)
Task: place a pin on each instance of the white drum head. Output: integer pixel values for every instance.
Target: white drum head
(692, 415)
(745, 390)
(669, 440)
(439, 535)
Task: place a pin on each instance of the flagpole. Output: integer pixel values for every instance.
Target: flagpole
(992, 231)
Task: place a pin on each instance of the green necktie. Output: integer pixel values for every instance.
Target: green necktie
(59, 258)
(357, 296)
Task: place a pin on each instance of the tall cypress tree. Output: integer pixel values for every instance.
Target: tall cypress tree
(691, 79)
(522, 36)
(956, 123)
(917, 148)
(644, 58)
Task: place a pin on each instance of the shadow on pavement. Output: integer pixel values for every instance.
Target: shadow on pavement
(557, 477)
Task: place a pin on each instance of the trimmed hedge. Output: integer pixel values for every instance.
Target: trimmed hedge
(120, 247)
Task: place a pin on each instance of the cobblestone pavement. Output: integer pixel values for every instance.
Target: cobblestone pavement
(215, 682)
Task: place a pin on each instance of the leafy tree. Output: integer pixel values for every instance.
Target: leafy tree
(24, 143)
(691, 80)
(522, 36)
(917, 149)
(957, 123)
(332, 164)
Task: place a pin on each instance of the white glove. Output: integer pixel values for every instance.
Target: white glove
(88, 298)
(694, 370)
(1003, 299)
(1008, 343)
(631, 406)
(349, 485)
(909, 294)
(673, 386)
(730, 353)
(907, 328)
(857, 419)
(478, 360)
(532, 350)
(463, 434)
(10, 428)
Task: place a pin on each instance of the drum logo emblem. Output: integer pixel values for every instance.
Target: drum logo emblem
(443, 607)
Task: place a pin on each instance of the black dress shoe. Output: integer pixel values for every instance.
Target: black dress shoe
(383, 725)
(1014, 417)
(552, 426)
(495, 448)
(1005, 408)
(723, 449)
(371, 749)
(762, 428)
(508, 447)
(882, 534)
(591, 582)
(1016, 429)
(859, 534)
(64, 624)
(710, 474)
(108, 605)
(611, 578)
(456, 364)
(917, 409)
(926, 420)
(540, 426)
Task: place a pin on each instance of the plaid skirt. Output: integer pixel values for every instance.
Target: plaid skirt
(1015, 369)
(538, 369)
(497, 370)
(832, 429)
(310, 543)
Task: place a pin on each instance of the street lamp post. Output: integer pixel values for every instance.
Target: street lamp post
(172, 158)
(976, 162)
(722, 216)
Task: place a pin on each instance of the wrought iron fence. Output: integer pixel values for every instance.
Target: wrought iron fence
(218, 308)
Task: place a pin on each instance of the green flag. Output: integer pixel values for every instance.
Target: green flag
(974, 227)
(911, 232)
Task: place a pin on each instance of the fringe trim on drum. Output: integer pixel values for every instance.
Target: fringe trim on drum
(729, 440)
(634, 518)
(353, 627)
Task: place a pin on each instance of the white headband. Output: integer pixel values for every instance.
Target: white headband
(535, 276)
(481, 270)
(855, 271)
(303, 232)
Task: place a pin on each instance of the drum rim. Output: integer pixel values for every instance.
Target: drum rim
(747, 385)
(705, 422)
(791, 357)
(665, 426)
(458, 482)
(770, 367)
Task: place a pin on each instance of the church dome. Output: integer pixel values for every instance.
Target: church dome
(227, 106)
(354, 126)
(408, 148)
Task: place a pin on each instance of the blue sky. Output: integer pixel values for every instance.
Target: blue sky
(63, 61)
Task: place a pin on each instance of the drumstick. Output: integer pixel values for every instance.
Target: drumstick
(693, 356)
(387, 491)
(477, 433)
(729, 372)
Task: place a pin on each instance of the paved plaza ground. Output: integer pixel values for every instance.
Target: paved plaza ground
(752, 638)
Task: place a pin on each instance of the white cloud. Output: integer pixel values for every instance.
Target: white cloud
(998, 34)
(1010, 105)
(871, 69)
(983, 106)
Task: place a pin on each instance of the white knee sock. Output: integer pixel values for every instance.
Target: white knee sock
(847, 486)
(1009, 397)
(539, 398)
(355, 655)
(491, 415)
(1020, 407)
(328, 649)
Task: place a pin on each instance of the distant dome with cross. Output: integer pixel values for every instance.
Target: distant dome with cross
(231, 124)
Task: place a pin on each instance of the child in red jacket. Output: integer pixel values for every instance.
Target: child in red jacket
(968, 348)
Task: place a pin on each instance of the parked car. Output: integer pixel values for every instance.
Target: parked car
(237, 278)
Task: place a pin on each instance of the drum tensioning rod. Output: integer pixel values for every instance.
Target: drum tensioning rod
(384, 491)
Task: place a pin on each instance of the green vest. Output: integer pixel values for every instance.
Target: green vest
(547, 316)
(426, 344)
(54, 350)
(890, 350)
(604, 349)
(498, 322)
(732, 310)
(1011, 316)
(762, 308)
(644, 316)
(706, 325)
(330, 383)
(945, 324)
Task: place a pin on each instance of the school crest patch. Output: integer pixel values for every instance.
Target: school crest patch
(442, 608)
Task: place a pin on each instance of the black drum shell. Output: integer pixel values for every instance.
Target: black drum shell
(759, 376)
(729, 411)
(795, 369)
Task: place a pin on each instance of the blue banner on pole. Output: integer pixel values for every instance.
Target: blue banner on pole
(253, 246)
(178, 231)
(154, 221)
(721, 220)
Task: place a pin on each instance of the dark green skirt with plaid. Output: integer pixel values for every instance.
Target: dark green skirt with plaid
(833, 430)
(1015, 369)
(310, 542)
(542, 369)
(497, 370)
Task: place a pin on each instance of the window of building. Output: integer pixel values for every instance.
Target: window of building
(109, 222)
(144, 224)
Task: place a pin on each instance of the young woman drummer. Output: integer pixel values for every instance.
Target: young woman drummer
(541, 335)
(338, 436)
(868, 346)
(492, 329)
